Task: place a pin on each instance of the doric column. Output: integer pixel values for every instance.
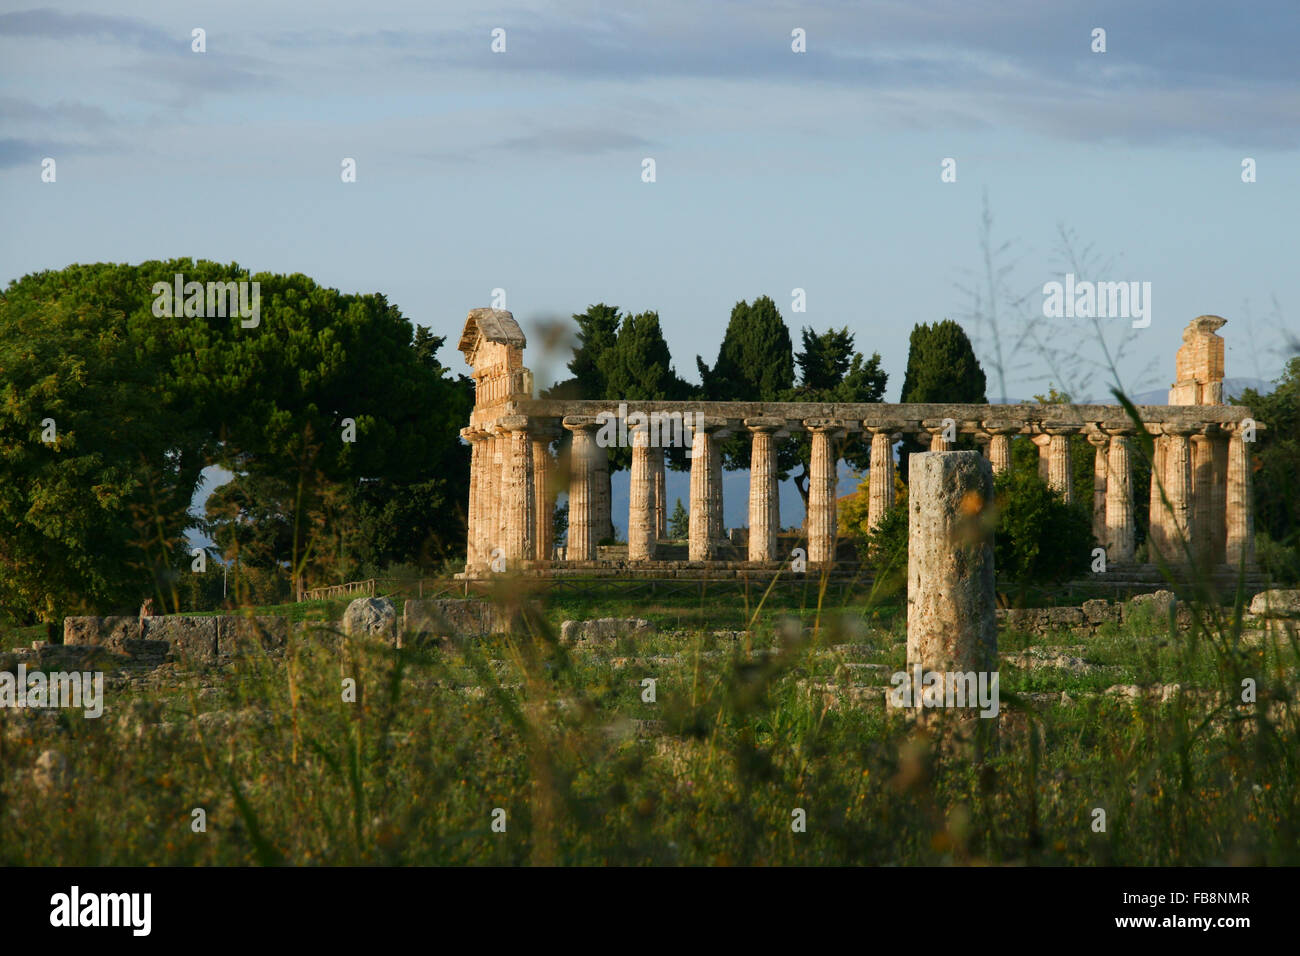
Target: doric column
(1240, 539)
(704, 449)
(520, 503)
(821, 489)
(1119, 498)
(641, 497)
(764, 505)
(1043, 442)
(1208, 495)
(1060, 464)
(1218, 527)
(1157, 543)
(471, 435)
(602, 516)
(716, 532)
(1100, 469)
(582, 491)
(660, 491)
(1178, 521)
(544, 491)
(493, 508)
(880, 476)
(1000, 443)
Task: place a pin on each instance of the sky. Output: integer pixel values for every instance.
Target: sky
(775, 170)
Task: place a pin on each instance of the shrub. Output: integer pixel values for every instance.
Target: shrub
(1040, 538)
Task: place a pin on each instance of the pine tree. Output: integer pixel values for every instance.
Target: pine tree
(679, 522)
(755, 361)
(942, 369)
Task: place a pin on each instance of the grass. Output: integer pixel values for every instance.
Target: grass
(743, 732)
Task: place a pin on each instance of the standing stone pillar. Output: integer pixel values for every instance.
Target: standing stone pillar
(660, 491)
(764, 504)
(520, 502)
(717, 534)
(821, 489)
(544, 491)
(471, 512)
(493, 457)
(1156, 544)
(641, 498)
(1178, 520)
(1100, 472)
(601, 504)
(880, 476)
(1240, 504)
(1000, 444)
(582, 490)
(951, 600)
(1060, 463)
(1120, 524)
(702, 542)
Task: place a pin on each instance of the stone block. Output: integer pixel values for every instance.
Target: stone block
(450, 618)
(605, 629)
(191, 639)
(110, 632)
(1276, 603)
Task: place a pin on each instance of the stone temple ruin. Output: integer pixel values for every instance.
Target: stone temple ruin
(1200, 507)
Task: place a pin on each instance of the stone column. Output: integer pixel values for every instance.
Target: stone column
(641, 497)
(1178, 521)
(951, 600)
(702, 543)
(880, 477)
(471, 515)
(1043, 442)
(544, 492)
(764, 504)
(520, 501)
(603, 518)
(582, 490)
(1000, 443)
(1157, 538)
(821, 489)
(716, 532)
(1218, 526)
(494, 508)
(1060, 463)
(1240, 539)
(1207, 496)
(1100, 470)
(660, 491)
(1119, 499)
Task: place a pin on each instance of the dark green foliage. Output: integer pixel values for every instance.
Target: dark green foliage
(1039, 539)
(941, 366)
(142, 403)
(884, 551)
(679, 521)
(1276, 477)
(755, 361)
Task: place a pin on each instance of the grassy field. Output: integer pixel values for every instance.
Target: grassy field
(748, 726)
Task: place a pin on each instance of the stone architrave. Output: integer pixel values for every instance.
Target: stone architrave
(822, 481)
(764, 503)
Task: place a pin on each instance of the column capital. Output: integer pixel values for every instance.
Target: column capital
(1062, 428)
(764, 424)
(1120, 429)
(1096, 437)
(995, 427)
(514, 423)
(575, 423)
(826, 425)
(883, 427)
(708, 423)
(1179, 429)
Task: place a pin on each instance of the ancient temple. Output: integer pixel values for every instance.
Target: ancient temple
(1199, 506)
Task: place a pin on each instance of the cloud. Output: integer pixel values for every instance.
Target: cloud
(53, 25)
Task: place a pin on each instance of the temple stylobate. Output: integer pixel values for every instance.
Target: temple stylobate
(1199, 506)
